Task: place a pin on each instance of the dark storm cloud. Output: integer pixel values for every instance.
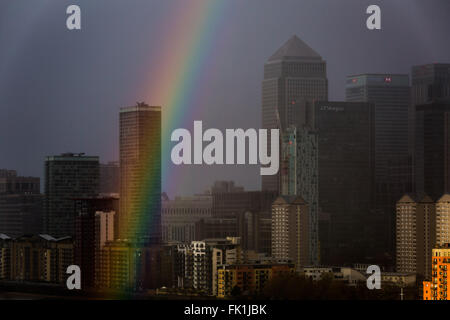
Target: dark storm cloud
(60, 91)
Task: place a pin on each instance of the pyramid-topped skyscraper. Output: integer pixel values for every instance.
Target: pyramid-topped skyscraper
(295, 49)
(294, 77)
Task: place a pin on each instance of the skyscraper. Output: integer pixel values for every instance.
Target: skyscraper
(140, 173)
(294, 75)
(430, 82)
(300, 176)
(345, 168)
(290, 228)
(416, 234)
(430, 85)
(307, 181)
(390, 95)
(288, 162)
(109, 178)
(432, 149)
(67, 176)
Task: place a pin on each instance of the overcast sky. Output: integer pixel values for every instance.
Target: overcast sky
(61, 91)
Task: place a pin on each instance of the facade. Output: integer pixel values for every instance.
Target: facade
(225, 187)
(104, 227)
(11, 183)
(288, 162)
(5, 256)
(254, 230)
(251, 211)
(290, 230)
(20, 214)
(109, 178)
(345, 133)
(231, 204)
(437, 288)
(308, 185)
(294, 76)
(126, 266)
(67, 176)
(390, 95)
(199, 262)
(5, 173)
(416, 235)
(216, 228)
(349, 275)
(20, 204)
(430, 82)
(180, 215)
(41, 258)
(398, 279)
(299, 176)
(249, 279)
(432, 149)
(140, 173)
(94, 226)
(183, 265)
(443, 220)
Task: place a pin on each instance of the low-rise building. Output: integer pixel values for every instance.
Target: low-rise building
(349, 275)
(41, 258)
(132, 266)
(249, 279)
(398, 279)
(290, 230)
(197, 264)
(437, 288)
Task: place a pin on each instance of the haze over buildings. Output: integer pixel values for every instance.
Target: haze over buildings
(106, 74)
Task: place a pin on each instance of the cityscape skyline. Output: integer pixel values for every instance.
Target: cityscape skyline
(363, 168)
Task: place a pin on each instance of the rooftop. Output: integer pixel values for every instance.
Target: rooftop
(295, 49)
(140, 106)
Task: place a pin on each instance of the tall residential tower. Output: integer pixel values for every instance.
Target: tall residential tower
(140, 173)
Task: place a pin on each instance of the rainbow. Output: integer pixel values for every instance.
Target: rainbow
(193, 31)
